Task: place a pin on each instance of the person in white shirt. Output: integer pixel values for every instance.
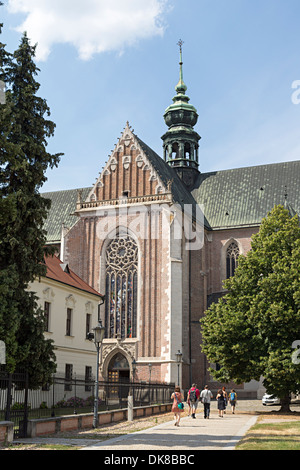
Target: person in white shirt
(205, 397)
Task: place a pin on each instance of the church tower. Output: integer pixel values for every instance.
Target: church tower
(181, 141)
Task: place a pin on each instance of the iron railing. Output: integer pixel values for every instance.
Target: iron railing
(71, 396)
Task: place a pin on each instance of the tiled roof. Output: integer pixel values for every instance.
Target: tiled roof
(231, 198)
(62, 207)
(60, 272)
(244, 196)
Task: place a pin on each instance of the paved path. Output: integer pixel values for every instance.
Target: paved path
(193, 434)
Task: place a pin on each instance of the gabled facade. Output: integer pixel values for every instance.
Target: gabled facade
(158, 237)
(124, 245)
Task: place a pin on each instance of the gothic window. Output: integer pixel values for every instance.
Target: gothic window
(232, 255)
(121, 288)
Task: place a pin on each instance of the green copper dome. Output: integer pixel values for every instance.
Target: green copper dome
(181, 141)
(181, 112)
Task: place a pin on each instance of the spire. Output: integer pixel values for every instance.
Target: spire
(181, 86)
(181, 141)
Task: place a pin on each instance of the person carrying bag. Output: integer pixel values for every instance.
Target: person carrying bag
(178, 406)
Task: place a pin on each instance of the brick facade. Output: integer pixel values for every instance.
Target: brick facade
(173, 282)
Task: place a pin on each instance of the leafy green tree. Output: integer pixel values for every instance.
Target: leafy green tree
(24, 131)
(250, 332)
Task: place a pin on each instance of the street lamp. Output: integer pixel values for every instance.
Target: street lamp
(99, 332)
(150, 369)
(178, 360)
(134, 367)
(131, 391)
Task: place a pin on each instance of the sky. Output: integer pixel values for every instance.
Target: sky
(103, 63)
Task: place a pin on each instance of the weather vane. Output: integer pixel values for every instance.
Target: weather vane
(180, 43)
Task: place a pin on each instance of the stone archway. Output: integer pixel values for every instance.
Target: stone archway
(119, 374)
(118, 368)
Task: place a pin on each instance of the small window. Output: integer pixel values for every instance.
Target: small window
(88, 324)
(68, 377)
(232, 255)
(88, 378)
(46, 315)
(175, 151)
(69, 321)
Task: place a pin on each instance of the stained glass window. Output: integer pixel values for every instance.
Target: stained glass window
(121, 287)
(232, 255)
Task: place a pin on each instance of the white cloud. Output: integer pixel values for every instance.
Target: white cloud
(92, 26)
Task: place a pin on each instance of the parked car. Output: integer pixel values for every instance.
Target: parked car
(270, 400)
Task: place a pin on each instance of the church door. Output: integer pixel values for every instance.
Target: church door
(119, 373)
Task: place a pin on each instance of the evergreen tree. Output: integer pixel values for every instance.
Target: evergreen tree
(24, 161)
(9, 323)
(250, 332)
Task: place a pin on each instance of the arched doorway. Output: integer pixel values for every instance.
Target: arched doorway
(118, 369)
(119, 373)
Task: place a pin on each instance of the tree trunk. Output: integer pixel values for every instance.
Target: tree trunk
(285, 404)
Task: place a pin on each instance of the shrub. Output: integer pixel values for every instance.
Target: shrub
(76, 402)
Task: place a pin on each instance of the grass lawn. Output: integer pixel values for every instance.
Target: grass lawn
(283, 435)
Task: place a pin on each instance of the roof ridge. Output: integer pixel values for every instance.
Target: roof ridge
(250, 166)
(65, 190)
(69, 277)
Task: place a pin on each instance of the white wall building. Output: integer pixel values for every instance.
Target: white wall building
(71, 311)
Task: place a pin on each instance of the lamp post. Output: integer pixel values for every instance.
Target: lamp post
(150, 369)
(131, 392)
(99, 332)
(178, 360)
(134, 366)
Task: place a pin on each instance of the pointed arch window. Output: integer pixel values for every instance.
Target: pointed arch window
(232, 255)
(121, 287)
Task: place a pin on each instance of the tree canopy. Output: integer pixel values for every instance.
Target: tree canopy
(250, 332)
(25, 128)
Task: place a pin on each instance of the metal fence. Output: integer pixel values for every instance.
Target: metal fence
(70, 396)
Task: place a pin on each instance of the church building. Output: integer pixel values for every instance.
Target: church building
(157, 237)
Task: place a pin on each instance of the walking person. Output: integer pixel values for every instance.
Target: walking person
(205, 397)
(226, 398)
(193, 397)
(189, 405)
(232, 399)
(221, 402)
(177, 407)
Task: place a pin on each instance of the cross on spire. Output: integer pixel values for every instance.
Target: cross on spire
(180, 44)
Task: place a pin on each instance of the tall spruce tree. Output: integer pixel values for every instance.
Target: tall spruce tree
(24, 161)
(251, 331)
(9, 316)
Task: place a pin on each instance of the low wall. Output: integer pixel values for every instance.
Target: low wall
(40, 427)
(6, 432)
